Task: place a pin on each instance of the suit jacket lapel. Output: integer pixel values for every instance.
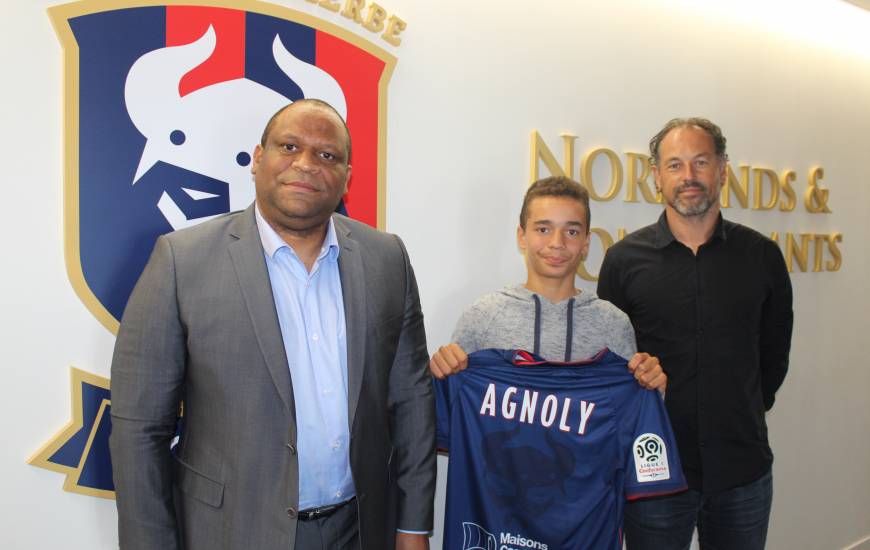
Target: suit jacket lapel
(353, 290)
(246, 251)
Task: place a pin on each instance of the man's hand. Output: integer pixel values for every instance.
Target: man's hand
(648, 372)
(449, 360)
(411, 541)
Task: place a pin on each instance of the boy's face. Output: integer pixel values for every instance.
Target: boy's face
(555, 239)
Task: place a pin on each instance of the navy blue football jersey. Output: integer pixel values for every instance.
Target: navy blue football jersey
(543, 455)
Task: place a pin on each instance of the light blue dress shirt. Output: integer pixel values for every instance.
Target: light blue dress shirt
(311, 316)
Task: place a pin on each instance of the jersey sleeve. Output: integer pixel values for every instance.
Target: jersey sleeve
(652, 462)
(442, 413)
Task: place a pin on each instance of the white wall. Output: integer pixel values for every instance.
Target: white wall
(788, 82)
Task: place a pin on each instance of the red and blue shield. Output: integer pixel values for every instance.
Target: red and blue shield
(164, 105)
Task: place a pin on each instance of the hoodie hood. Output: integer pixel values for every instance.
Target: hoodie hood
(520, 292)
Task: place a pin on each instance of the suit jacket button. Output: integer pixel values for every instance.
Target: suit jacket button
(291, 512)
(292, 448)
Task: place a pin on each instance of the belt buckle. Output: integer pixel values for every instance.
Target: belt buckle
(321, 512)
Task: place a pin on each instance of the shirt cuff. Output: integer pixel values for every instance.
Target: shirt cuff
(413, 532)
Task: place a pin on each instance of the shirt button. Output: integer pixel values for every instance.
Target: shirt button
(291, 512)
(336, 444)
(315, 338)
(338, 494)
(292, 448)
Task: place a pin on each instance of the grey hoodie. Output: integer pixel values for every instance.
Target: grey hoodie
(516, 318)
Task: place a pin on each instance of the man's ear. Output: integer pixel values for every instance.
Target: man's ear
(258, 155)
(584, 252)
(521, 238)
(347, 180)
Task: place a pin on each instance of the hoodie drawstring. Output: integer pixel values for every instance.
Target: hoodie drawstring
(537, 350)
(569, 337)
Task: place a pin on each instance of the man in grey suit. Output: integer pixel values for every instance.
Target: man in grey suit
(295, 339)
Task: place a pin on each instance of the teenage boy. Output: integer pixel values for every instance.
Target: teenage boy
(548, 314)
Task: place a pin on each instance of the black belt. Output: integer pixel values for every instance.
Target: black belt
(321, 512)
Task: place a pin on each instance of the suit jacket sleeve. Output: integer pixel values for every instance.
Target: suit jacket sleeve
(412, 415)
(147, 385)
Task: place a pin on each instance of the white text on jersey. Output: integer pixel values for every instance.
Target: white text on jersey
(549, 410)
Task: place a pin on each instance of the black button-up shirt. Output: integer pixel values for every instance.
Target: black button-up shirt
(720, 321)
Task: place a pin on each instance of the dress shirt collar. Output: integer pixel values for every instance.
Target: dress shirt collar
(664, 237)
(272, 242)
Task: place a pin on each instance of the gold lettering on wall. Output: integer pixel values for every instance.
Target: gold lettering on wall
(797, 250)
(615, 174)
(739, 187)
(372, 17)
(395, 26)
(353, 10)
(375, 19)
(765, 177)
(816, 197)
(638, 176)
(833, 239)
(785, 186)
(746, 187)
(540, 152)
(799, 247)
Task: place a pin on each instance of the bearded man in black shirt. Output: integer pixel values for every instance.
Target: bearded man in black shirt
(712, 299)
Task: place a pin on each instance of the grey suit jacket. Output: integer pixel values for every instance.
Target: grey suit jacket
(201, 327)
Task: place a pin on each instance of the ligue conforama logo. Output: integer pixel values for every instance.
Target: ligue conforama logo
(164, 102)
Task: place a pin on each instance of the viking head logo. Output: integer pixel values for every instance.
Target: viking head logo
(211, 131)
(165, 104)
